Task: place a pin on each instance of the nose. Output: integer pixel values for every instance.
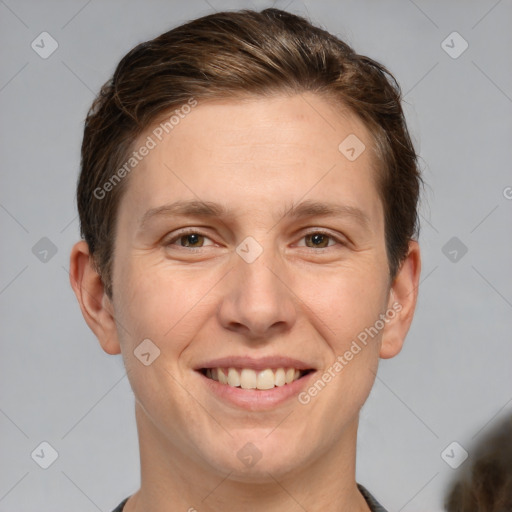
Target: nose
(258, 301)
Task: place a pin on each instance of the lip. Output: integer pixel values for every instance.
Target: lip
(259, 364)
(256, 399)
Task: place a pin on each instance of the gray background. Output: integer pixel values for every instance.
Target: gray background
(451, 382)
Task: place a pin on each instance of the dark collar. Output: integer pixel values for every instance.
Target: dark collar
(374, 505)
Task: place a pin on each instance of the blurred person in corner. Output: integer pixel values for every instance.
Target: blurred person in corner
(485, 484)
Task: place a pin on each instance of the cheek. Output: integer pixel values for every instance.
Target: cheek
(152, 305)
(344, 301)
(348, 316)
(166, 305)
(352, 310)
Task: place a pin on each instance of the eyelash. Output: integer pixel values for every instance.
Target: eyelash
(196, 232)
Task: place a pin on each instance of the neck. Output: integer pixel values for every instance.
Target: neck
(171, 476)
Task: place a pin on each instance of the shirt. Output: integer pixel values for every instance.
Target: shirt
(374, 505)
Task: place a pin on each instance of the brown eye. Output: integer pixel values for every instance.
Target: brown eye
(318, 240)
(191, 239)
(188, 239)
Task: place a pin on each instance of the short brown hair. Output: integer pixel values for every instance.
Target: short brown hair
(228, 55)
(485, 483)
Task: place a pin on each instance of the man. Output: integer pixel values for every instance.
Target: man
(248, 200)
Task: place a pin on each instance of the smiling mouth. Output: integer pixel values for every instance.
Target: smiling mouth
(247, 378)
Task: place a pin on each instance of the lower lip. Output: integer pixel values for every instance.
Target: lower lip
(257, 399)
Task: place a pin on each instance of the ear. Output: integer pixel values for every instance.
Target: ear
(402, 300)
(96, 307)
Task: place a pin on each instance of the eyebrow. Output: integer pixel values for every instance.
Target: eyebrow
(209, 209)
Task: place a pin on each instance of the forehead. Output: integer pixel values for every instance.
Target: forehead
(255, 152)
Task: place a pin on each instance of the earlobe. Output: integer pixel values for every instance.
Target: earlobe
(96, 307)
(402, 301)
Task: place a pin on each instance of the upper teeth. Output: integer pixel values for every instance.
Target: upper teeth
(247, 378)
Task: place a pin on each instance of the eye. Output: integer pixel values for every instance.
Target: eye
(320, 239)
(190, 239)
(193, 239)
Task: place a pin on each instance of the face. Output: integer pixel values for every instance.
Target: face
(271, 285)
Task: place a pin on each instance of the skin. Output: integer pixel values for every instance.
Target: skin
(296, 299)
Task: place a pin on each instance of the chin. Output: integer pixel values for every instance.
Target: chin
(258, 458)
